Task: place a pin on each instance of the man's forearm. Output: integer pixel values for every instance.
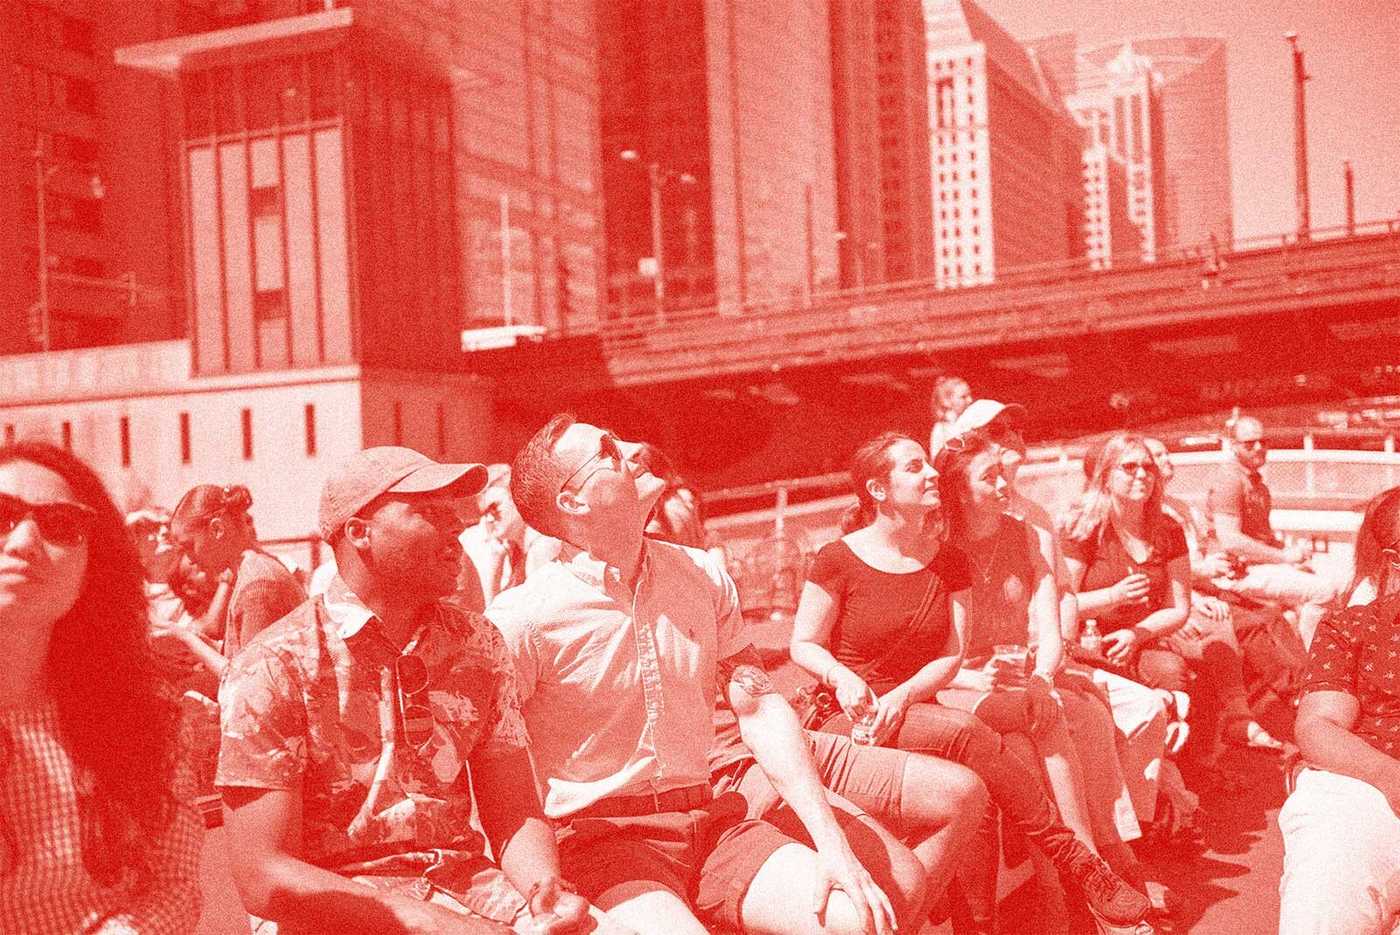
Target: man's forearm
(1240, 544)
(531, 858)
(301, 896)
(774, 736)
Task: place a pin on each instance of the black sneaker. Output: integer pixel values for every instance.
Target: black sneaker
(1115, 905)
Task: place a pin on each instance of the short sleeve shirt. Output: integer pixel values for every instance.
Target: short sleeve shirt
(1357, 651)
(264, 591)
(1241, 492)
(309, 705)
(1106, 562)
(872, 633)
(619, 686)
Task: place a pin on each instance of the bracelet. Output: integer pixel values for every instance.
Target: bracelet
(826, 676)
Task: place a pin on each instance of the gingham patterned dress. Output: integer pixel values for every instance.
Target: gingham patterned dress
(44, 887)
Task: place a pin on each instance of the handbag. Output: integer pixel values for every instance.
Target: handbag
(816, 703)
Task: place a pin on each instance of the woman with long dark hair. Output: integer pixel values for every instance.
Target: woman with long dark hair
(881, 622)
(212, 525)
(99, 830)
(1341, 823)
(1014, 602)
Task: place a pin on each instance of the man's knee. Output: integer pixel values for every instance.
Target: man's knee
(935, 791)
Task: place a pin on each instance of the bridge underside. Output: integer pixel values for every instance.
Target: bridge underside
(733, 428)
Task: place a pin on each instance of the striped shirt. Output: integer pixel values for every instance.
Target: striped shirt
(44, 886)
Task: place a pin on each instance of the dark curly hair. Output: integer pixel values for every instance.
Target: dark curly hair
(118, 720)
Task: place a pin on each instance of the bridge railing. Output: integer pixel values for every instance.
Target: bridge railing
(1031, 273)
(1050, 296)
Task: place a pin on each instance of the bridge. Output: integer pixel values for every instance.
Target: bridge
(1335, 268)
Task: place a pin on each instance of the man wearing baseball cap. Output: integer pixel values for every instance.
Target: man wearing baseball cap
(355, 728)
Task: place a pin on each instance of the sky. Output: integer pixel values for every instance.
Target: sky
(1352, 51)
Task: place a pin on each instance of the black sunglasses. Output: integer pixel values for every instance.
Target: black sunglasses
(607, 449)
(62, 523)
(416, 718)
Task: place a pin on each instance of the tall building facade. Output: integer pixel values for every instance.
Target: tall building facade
(88, 140)
(1162, 102)
(883, 146)
(956, 155)
(1111, 235)
(1007, 173)
(717, 134)
(1120, 106)
(362, 182)
(1196, 193)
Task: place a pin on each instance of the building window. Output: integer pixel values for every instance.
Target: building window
(247, 418)
(398, 422)
(310, 430)
(124, 429)
(67, 429)
(185, 438)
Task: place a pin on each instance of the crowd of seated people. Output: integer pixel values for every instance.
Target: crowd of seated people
(524, 699)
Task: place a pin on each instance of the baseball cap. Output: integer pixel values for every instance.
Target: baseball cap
(388, 469)
(980, 412)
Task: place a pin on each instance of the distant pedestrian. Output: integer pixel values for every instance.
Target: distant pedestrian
(951, 395)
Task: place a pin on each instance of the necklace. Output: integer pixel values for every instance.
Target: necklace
(984, 572)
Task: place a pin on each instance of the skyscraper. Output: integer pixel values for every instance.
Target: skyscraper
(1007, 155)
(978, 162)
(364, 181)
(724, 111)
(87, 139)
(1163, 104)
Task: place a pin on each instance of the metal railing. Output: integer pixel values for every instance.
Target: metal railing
(1056, 300)
(1046, 273)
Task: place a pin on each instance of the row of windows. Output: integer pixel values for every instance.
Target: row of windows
(37, 88)
(48, 27)
(63, 148)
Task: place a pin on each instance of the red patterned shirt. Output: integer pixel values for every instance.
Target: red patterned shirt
(310, 704)
(1357, 651)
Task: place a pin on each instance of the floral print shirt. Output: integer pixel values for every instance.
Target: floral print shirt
(311, 705)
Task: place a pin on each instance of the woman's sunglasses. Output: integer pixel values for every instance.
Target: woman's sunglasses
(415, 717)
(62, 523)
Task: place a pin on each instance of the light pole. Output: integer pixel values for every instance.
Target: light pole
(656, 177)
(42, 171)
(1300, 137)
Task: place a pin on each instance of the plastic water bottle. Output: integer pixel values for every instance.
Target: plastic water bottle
(1090, 639)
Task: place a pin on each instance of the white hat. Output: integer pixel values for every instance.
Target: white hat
(980, 412)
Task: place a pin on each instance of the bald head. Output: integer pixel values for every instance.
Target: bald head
(1247, 428)
(1247, 441)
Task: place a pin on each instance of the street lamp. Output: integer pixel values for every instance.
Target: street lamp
(656, 177)
(42, 172)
